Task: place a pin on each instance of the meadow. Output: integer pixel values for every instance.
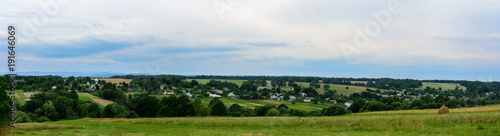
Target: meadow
(116, 81)
(465, 121)
(341, 89)
(444, 86)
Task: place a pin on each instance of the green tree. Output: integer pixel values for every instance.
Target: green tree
(50, 111)
(356, 105)
(205, 111)
(4, 103)
(235, 110)
(61, 104)
(334, 110)
(326, 87)
(273, 112)
(109, 111)
(218, 109)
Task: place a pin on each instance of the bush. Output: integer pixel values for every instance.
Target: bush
(334, 110)
(273, 112)
(42, 119)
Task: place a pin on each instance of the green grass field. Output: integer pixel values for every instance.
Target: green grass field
(341, 89)
(466, 121)
(252, 103)
(444, 86)
(205, 81)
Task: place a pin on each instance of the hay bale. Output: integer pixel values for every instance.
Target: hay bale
(444, 110)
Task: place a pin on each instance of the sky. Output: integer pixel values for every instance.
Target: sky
(419, 39)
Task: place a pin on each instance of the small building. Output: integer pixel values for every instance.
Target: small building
(292, 98)
(264, 87)
(274, 97)
(281, 98)
(348, 104)
(332, 101)
(218, 91)
(189, 95)
(54, 87)
(214, 96)
(169, 92)
(308, 99)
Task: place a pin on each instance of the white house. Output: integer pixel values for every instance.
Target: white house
(214, 96)
(348, 104)
(189, 95)
(218, 91)
(168, 92)
(292, 98)
(54, 87)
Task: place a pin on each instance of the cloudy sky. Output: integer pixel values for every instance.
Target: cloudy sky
(424, 39)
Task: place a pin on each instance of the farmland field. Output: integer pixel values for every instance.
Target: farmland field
(340, 88)
(116, 81)
(466, 121)
(205, 81)
(444, 86)
(252, 103)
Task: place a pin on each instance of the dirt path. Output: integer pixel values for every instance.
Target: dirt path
(101, 101)
(272, 101)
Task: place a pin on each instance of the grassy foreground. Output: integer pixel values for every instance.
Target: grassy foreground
(467, 121)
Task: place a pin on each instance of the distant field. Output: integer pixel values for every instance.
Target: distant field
(341, 89)
(252, 103)
(467, 122)
(364, 82)
(205, 81)
(116, 81)
(444, 86)
(96, 99)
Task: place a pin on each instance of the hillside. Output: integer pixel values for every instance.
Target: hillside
(465, 121)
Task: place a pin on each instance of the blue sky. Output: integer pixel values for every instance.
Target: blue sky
(424, 39)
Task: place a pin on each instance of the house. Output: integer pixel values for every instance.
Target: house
(332, 101)
(233, 96)
(54, 87)
(189, 95)
(214, 96)
(398, 94)
(408, 100)
(168, 92)
(385, 95)
(303, 94)
(451, 97)
(390, 90)
(218, 91)
(281, 98)
(347, 104)
(292, 98)
(291, 89)
(274, 97)
(308, 99)
(264, 87)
